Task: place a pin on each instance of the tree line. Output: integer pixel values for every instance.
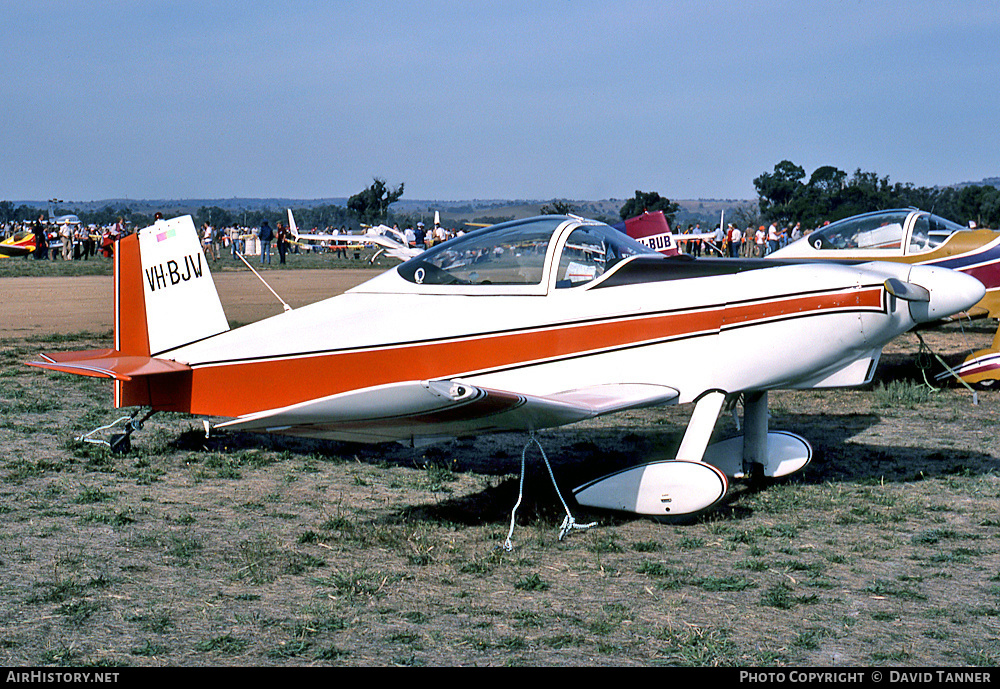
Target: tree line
(369, 206)
(786, 196)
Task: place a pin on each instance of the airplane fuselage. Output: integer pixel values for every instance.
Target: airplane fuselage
(519, 326)
(767, 327)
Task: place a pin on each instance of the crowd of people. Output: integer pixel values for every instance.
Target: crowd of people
(262, 242)
(66, 239)
(74, 241)
(733, 242)
(425, 237)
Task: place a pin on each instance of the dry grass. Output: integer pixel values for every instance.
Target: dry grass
(252, 550)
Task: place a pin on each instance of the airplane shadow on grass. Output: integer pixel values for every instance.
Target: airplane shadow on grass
(837, 458)
(579, 455)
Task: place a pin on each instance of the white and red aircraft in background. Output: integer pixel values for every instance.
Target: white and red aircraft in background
(389, 240)
(518, 327)
(652, 230)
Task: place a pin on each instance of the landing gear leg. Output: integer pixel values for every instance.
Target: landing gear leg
(759, 454)
(754, 435)
(701, 425)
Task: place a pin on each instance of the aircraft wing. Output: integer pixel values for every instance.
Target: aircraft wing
(437, 409)
(326, 237)
(709, 236)
(392, 248)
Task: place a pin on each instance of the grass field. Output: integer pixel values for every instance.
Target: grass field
(256, 550)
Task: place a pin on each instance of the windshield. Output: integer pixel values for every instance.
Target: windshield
(591, 250)
(508, 254)
(930, 231)
(514, 253)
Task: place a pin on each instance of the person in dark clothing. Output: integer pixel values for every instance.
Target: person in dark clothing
(282, 238)
(265, 236)
(41, 240)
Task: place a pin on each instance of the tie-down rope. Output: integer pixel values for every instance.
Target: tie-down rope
(569, 522)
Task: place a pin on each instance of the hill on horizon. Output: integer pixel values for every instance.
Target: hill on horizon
(707, 211)
(451, 211)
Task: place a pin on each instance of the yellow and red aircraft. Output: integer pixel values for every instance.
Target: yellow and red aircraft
(20, 244)
(918, 238)
(521, 326)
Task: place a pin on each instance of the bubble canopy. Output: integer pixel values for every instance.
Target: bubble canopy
(517, 253)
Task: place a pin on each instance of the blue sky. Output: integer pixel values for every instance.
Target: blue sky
(460, 100)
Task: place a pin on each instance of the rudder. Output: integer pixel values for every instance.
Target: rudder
(179, 301)
(164, 298)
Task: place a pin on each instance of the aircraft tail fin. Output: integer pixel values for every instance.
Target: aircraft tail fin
(291, 224)
(163, 273)
(164, 298)
(651, 229)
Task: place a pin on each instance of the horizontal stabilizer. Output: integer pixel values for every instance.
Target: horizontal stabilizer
(107, 363)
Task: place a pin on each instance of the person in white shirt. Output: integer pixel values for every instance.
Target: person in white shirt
(735, 241)
(772, 238)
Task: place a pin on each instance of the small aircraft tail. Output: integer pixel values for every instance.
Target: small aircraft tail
(178, 295)
(651, 229)
(291, 224)
(982, 367)
(164, 298)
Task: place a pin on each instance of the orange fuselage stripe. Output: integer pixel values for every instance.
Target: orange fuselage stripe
(239, 388)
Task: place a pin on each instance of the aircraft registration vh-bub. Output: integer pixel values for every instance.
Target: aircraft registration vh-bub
(517, 327)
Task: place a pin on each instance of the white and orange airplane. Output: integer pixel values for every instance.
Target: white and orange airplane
(517, 327)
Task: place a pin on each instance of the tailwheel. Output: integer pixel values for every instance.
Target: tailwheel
(119, 443)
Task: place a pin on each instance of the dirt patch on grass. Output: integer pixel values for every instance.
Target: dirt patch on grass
(256, 550)
(49, 305)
